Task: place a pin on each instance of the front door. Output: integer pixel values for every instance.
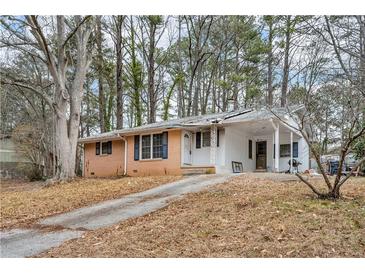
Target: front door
(187, 148)
(261, 155)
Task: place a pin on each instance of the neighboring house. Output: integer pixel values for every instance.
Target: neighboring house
(10, 159)
(202, 143)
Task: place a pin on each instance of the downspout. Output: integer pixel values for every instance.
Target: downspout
(83, 164)
(125, 153)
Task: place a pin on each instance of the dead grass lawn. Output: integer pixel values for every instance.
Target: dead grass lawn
(248, 217)
(23, 203)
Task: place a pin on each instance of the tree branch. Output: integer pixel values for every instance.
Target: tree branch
(350, 173)
(309, 185)
(73, 32)
(39, 36)
(36, 91)
(336, 49)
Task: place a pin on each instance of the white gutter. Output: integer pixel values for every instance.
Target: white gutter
(125, 153)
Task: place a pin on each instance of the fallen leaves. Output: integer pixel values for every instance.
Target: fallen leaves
(26, 204)
(221, 222)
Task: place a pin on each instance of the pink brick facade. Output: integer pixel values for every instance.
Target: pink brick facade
(113, 164)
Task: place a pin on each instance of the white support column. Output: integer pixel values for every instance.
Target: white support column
(291, 151)
(213, 144)
(277, 148)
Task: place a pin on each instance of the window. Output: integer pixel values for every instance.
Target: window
(146, 146)
(157, 145)
(106, 148)
(295, 150)
(198, 140)
(206, 138)
(152, 146)
(217, 137)
(250, 149)
(285, 150)
(136, 147)
(97, 152)
(203, 139)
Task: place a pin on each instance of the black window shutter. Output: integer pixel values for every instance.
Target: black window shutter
(110, 147)
(274, 151)
(136, 147)
(295, 149)
(217, 137)
(198, 140)
(250, 149)
(165, 145)
(97, 151)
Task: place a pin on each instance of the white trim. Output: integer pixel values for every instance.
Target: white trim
(151, 146)
(125, 154)
(190, 136)
(213, 144)
(202, 138)
(291, 151)
(101, 148)
(141, 148)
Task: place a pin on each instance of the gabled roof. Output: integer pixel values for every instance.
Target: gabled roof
(241, 115)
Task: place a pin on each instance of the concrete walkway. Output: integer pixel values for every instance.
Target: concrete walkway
(70, 225)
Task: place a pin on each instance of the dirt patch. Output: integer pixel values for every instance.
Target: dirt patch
(23, 203)
(248, 217)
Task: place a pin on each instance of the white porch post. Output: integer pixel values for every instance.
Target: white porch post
(291, 151)
(213, 144)
(277, 148)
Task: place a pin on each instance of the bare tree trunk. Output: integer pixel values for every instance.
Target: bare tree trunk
(88, 113)
(325, 142)
(224, 95)
(284, 85)
(66, 129)
(214, 97)
(209, 87)
(136, 79)
(235, 89)
(196, 56)
(100, 74)
(119, 69)
(269, 66)
(361, 21)
(180, 95)
(151, 73)
(197, 91)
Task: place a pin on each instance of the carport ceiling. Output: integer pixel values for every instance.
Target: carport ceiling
(259, 128)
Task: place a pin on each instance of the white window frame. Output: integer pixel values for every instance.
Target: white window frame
(202, 138)
(151, 147)
(141, 148)
(101, 148)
